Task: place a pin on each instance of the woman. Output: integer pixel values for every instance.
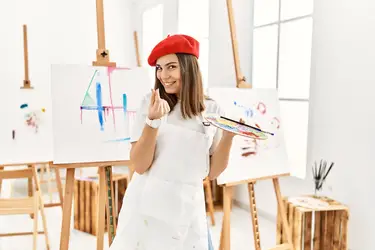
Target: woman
(173, 150)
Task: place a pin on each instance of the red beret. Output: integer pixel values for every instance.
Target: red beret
(172, 45)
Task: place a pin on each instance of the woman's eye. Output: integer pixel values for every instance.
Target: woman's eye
(171, 67)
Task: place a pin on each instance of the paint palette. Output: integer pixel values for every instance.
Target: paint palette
(235, 127)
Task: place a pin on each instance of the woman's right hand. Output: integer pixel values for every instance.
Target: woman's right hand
(158, 106)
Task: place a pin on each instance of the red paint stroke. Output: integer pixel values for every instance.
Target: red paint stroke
(276, 121)
(262, 108)
(250, 134)
(248, 154)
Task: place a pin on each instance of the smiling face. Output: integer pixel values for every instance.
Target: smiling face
(169, 74)
(179, 79)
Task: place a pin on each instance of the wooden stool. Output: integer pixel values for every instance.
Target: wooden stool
(322, 226)
(209, 201)
(29, 205)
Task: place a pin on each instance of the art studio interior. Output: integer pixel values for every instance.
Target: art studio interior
(187, 124)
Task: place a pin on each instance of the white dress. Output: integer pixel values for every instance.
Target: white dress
(164, 208)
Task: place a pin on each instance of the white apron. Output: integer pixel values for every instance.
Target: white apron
(164, 209)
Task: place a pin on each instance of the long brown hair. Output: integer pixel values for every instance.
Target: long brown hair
(191, 93)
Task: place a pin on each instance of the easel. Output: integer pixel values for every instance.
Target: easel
(29, 182)
(136, 45)
(228, 188)
(102, 54)
(39, 199)
(26, 81)
(27, 85)
(105, 193)
(105, 168)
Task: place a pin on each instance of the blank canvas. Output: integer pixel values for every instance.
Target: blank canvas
(93, 111)
(253, 159)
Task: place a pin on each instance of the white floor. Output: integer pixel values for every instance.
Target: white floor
(241, 230)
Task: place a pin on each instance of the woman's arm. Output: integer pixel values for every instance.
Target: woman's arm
(219, 159)
(142, 151)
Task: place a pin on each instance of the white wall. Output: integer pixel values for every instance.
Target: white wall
(342, 110)
(221, 70)
(58, 37)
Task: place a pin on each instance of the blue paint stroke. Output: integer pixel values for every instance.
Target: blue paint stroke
(92, 108)
(100, 105)
(25, 105)
(124, 104)
(119, 140)
(248, 111)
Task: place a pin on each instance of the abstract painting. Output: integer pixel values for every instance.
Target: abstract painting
(26, 131)
(103, 110)
(93, 111)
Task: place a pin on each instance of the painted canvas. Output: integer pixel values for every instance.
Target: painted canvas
(26, 133)
(93, 111)
(253, 158)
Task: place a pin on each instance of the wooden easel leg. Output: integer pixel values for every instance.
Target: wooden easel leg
(67, 209)
(41, 204)
(30, 188)
(1, 180)
(254, 216)
(102, 207)
(59, 186)
(210, 202)
(286, 226)
(49, 182)
(111, 223)
(221, 246)
(225, 231)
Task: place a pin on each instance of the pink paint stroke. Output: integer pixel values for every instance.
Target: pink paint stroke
(109, 71)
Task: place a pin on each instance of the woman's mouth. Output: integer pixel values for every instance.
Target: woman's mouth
(167, 84)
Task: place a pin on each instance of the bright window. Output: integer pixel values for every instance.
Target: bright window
(196, 26)
(282, 60)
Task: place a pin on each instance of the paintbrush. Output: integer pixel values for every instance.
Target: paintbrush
(246, 125)
(320, 174)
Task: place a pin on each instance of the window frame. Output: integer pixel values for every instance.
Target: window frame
(301, 101)
(278, 23)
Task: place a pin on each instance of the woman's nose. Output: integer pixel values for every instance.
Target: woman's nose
(164, 74)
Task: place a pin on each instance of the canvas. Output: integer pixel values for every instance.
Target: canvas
(252, 159)
(93, 111)
(26, 133)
